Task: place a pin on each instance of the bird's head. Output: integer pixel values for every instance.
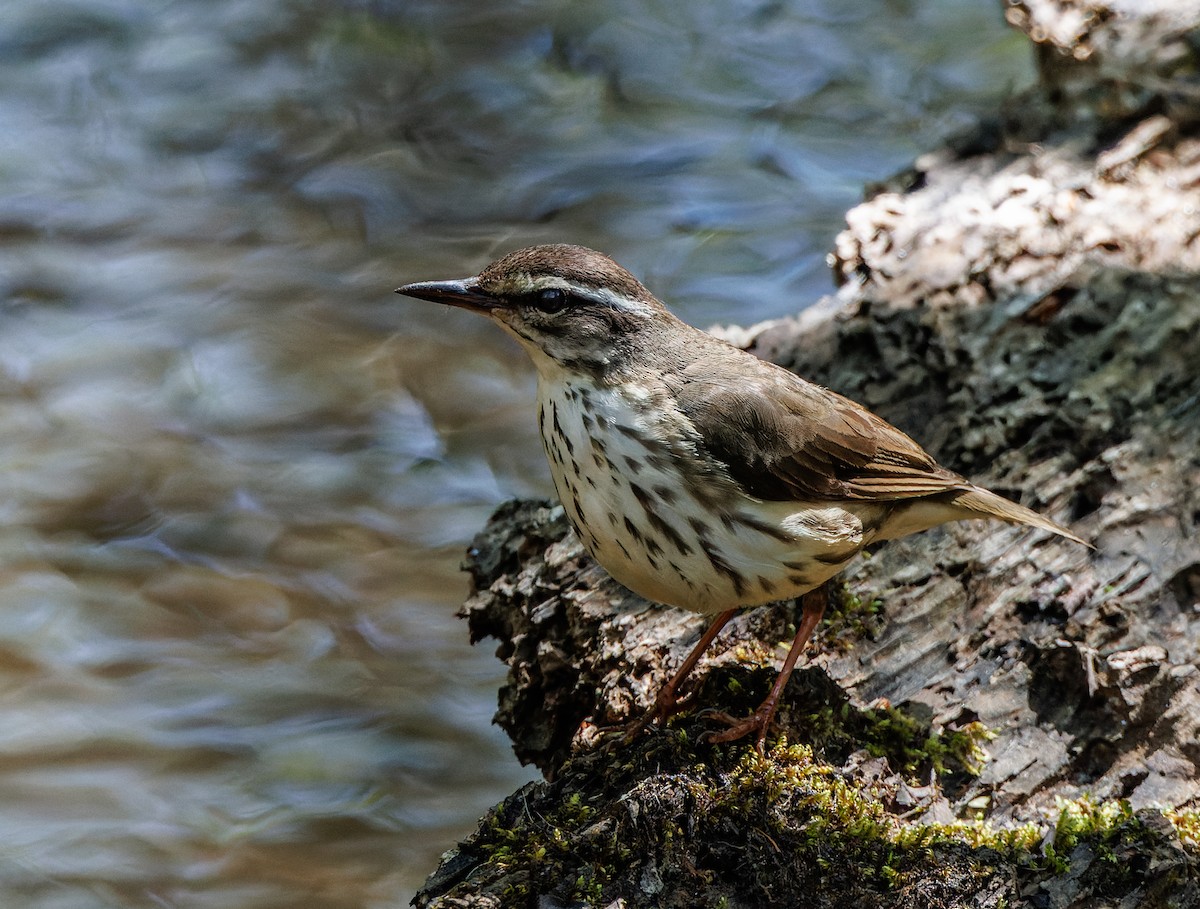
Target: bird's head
(568, 306)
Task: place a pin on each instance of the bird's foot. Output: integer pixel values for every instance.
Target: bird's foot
(813, 606)
(756, 723)
(665, 706)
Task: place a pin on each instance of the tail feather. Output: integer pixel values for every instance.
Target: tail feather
(989, 505)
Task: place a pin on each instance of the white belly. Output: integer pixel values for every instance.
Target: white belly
(701, 544)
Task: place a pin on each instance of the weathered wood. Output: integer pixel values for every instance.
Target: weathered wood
(1026, 303)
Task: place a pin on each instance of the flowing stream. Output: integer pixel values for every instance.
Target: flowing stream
(237, 474)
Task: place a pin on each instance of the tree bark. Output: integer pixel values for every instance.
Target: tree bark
(1026, 304)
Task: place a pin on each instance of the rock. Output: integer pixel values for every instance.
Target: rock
(1026, 303)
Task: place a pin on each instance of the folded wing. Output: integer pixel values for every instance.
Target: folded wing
(786, 439)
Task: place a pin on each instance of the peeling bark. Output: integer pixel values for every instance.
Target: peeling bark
(1026, 303)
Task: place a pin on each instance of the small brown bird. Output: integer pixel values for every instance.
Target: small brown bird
(698, 475)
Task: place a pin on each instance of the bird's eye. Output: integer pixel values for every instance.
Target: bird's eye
(551, 300)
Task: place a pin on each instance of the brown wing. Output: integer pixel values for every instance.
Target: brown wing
(784, 438)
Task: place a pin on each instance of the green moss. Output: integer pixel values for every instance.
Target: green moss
(1018, 841)
(819, 713)
(539, 846)
(1187, 825)
(725, 825)
(1084, 819)
(909, 744)
(850, 617)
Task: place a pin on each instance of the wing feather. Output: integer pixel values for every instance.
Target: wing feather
(784, 438)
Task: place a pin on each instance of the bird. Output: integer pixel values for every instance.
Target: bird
(696, 474)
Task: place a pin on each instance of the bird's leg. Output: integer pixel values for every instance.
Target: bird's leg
(667, 701)
(812, 610)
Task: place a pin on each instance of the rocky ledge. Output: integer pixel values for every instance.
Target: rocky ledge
(990, 716)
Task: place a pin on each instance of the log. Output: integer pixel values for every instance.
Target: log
(991, 716)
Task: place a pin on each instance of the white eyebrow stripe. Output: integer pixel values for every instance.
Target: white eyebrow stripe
(616, 301)
(602, 295)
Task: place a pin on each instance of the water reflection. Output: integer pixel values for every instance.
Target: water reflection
(237, 475)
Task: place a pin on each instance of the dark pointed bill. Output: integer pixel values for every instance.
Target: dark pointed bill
(463, 293)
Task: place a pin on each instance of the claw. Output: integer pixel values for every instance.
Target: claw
(758, 723)
(666, 705)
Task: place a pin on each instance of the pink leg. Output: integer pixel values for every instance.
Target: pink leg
(813, 609)
(667, 702)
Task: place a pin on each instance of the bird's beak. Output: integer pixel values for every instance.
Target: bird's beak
(465, 294)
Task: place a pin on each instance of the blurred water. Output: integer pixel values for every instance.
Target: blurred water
(237, 474)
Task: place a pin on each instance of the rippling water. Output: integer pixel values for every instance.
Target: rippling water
(237, 474)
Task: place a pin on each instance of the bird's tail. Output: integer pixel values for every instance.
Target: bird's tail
(990, 505)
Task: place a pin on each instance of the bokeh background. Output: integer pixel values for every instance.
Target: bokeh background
(237, 473)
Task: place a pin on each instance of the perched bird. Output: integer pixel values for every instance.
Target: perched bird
(696, 474)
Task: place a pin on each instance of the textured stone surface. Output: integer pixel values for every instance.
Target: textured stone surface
(1025, 303)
